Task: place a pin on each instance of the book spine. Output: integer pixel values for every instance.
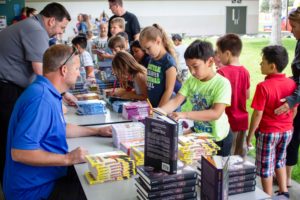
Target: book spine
(185, 183)
(171, 192)
(241, 172)
(178, 196)
(242, 184)
(246, 177)
(241, 190)
(174, 178)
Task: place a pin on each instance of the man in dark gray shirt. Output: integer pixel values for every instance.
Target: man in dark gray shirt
(21, 52)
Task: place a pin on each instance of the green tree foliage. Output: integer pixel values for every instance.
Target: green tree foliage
(265, 6)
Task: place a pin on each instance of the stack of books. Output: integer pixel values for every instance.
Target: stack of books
(118, 106)
(124, 132)
(110, 166)
(126, 146)
(139, 108)
(91, 107)
(241, 175)
(153, 184)
(137, 154)
(191, 147)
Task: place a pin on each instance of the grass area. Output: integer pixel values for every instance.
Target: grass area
(250, 58)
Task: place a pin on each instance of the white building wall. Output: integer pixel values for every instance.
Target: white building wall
(189, 17)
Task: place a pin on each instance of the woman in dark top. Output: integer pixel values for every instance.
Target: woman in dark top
(291, 101)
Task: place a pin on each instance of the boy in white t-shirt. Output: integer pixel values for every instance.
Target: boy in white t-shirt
(86, 60)
(180, 48)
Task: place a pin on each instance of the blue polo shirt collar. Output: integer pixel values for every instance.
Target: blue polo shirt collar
(43, 80)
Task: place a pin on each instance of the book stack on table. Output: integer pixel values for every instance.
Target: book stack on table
(124, 132)
(155, 184)
(137, 154)
(133, 109)
(191, 147)
(91, 107)
(241, 175)
(127, 145)
(109, 166)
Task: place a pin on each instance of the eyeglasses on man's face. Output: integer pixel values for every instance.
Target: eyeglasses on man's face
(74, 52)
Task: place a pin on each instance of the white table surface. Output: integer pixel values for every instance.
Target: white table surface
(109, 118)
(122, 190)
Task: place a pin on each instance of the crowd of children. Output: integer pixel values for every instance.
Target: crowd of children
(206, 85)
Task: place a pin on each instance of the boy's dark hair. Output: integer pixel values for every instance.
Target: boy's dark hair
(230, 42)
(116, 41)
(80, 40)
(202, 50)
(118, 2)
(123, 34)
(30, 11)
(277, 55)
(57, 11)
(176, 37)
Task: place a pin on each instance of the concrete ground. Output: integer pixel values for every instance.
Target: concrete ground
(294, 190)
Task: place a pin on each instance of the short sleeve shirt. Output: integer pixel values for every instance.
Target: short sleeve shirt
(201, 96)
(239, 79)
(37, 123)
(21, 44)
(156, 77)
(132, 25)
(86, 59)
(267, 98)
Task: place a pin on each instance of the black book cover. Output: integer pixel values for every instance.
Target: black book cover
(246, 177)
(161, 143)
(156, 177)
(237, 166)
(242, 184)
(183, 196)
(163, 193)
(241, 190)
(214, 178)
(167, 186)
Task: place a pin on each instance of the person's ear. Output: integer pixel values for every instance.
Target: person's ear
(273, 67)
(210, 61)
(158, 40)
(51, 21)
(63, 70)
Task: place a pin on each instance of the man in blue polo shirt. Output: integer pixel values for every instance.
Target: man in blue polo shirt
(37, 152)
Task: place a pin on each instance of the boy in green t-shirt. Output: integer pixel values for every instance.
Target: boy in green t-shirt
(207, 94)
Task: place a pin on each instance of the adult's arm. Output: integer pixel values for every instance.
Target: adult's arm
(83, 131)
(44, 158)
(37, 68)
(136, 36)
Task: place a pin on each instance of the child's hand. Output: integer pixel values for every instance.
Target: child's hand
(177, 115)
(248, 143)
